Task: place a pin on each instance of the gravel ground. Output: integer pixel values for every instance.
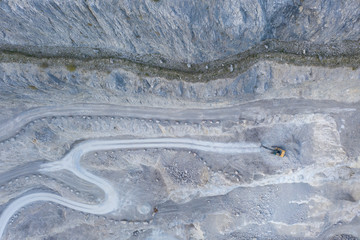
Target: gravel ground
(115, 129)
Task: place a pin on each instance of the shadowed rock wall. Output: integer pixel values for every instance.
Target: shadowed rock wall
(172, 31)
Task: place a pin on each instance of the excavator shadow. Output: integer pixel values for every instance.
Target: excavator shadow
(278, 151)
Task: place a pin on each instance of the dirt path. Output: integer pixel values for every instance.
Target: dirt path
(249, 110)
(71, 162)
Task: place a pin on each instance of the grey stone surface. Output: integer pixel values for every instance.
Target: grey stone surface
(116, 118)
(175, 31)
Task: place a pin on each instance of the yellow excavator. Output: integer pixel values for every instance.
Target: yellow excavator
(275, 150)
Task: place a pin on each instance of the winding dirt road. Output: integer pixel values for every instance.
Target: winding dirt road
(71, 162)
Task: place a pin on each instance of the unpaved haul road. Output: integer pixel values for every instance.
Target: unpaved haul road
(71, 162)
(250, 110)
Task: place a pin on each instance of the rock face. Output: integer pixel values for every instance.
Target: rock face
(177, 31)
(144, 119)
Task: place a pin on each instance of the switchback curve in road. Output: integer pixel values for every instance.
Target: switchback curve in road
(71, 162)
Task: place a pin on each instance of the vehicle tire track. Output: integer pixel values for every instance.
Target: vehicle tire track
(71, 162)
(250, 110)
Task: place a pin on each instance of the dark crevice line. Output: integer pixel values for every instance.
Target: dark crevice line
(344, 54)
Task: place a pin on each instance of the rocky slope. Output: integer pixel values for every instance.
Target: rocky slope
(217, 73)
(172, 33)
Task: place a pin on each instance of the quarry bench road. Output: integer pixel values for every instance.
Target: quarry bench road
(71, 162)
(111, 202)
(250, 111)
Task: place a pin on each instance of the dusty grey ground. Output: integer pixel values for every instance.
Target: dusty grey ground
(144, 119)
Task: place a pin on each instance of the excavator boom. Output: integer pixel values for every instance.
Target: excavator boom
(276, 150)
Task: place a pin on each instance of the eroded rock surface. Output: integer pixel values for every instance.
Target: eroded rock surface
(144, 119)
(172, 32)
